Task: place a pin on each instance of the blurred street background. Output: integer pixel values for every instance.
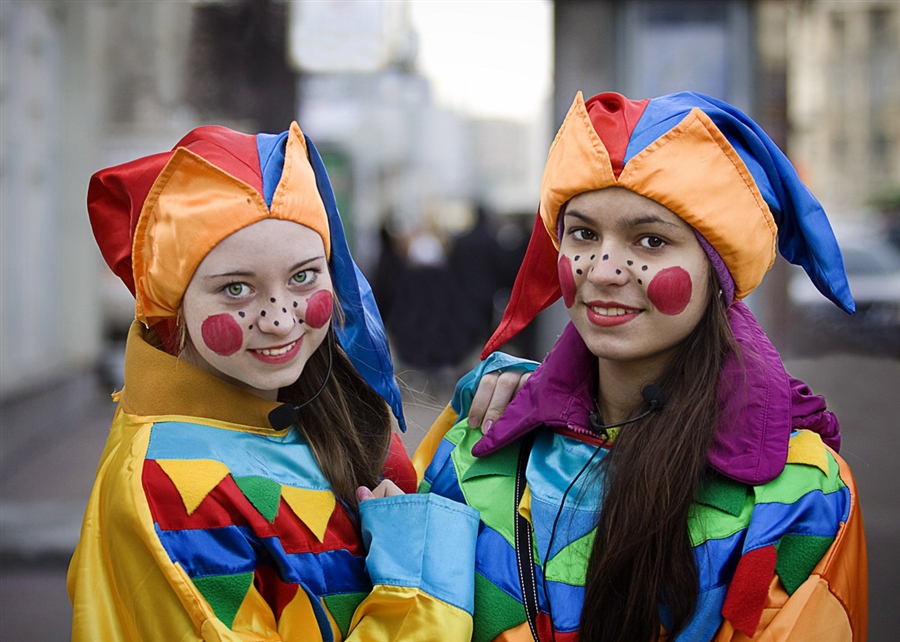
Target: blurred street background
(434, 119)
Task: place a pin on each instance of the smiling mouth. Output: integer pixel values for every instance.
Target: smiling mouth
(276, 352)
(612, 312)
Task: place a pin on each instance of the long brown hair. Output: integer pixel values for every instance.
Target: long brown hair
(347, 425)
(642, 556)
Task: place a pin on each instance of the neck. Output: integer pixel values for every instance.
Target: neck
(620, 384)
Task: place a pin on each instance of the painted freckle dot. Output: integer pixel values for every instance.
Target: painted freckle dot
(579, 271)
(644, 268)
(577, 256)
(640, 282)
(241, 314)
(592, 256)
(251, 327)
(284, 309)
(618, 271)
(630, 262)
(606, 257)
(272, 299)
(276, 323)
(295, 304)
(262, 313)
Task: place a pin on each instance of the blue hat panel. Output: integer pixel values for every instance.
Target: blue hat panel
(271, 161)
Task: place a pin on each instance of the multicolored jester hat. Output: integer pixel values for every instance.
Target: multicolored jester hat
(157, 217)
(704, 160)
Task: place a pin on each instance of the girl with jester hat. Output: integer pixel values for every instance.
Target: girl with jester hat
(660, 476)
(258, 388)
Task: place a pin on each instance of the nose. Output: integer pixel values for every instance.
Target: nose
(277, 316)
(608, 267)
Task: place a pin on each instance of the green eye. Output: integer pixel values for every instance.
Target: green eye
(300, 277)
(235, 289)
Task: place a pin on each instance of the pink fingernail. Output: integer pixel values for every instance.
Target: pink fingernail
(487, 425)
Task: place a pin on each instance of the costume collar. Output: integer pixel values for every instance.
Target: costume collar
(760, 403)
(156, 383)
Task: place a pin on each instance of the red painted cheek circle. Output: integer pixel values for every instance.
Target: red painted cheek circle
(566, 280)
(318, 309)
(670, 290)
(222, 334)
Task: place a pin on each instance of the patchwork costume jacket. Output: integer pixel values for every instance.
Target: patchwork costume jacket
(207, 524)
(776, 528)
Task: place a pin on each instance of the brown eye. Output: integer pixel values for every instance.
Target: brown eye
(652, 242)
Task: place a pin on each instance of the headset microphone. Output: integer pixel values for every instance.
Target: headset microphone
(652, 394)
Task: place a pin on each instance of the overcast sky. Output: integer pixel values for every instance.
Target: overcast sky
(486, 57)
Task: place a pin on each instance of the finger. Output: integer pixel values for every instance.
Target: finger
(482, 398)
(388, 488)
(507, 386)
(363, 493)
(525, 376)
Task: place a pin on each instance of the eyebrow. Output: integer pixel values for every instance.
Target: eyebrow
(247, 273)
(634, 222)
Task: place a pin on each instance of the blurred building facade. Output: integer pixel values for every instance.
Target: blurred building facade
(844, 99)
(91, 84)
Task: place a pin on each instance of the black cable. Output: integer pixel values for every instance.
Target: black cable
(327, 375)
(285, 415)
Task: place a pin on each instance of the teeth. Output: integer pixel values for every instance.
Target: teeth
(274, 352)
(610, 312)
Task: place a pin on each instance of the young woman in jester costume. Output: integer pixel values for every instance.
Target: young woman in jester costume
(258, 388)
(660, 476)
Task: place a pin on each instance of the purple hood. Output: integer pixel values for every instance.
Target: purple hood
(760, 403)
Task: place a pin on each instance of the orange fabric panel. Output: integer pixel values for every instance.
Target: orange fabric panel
(694, 171)
(811, 614)
(846, 567)
(577, 162)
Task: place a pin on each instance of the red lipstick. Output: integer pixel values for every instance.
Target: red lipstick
(279, 357)
(611, 314)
